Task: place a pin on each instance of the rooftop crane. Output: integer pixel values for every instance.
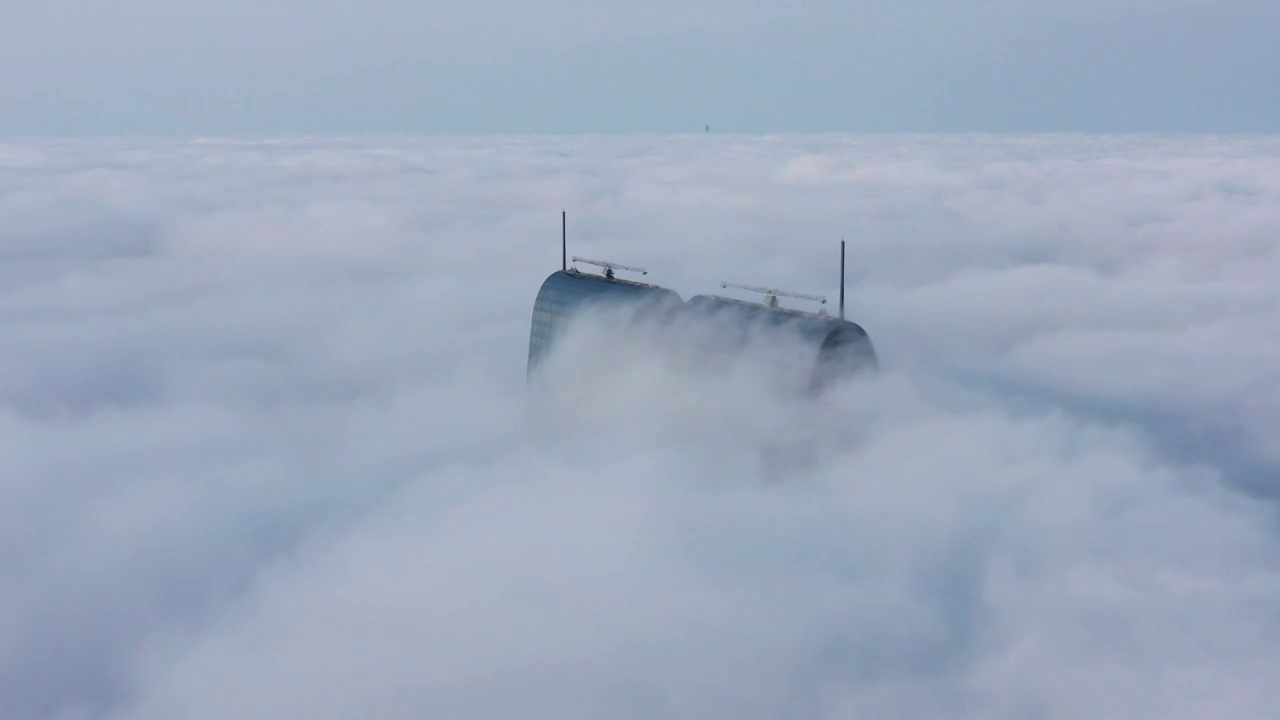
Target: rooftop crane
(771, 295)
(609, 267)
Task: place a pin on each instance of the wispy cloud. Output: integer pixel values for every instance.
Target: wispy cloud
(267, 448)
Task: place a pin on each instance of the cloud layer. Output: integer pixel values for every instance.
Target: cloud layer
(268, 449)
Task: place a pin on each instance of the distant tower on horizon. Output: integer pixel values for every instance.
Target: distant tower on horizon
(708, 128)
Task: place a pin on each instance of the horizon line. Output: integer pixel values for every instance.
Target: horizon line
(335, 135)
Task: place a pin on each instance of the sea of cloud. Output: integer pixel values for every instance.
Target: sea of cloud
(267, 448)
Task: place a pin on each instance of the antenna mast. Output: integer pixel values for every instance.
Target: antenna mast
(771, 295)
(841, 278)
(564, 263)
(609, 267)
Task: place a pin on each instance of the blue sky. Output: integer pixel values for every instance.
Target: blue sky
(145, 66)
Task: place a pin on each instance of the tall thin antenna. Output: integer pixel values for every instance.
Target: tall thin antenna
(564, 256)
(841, 278)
